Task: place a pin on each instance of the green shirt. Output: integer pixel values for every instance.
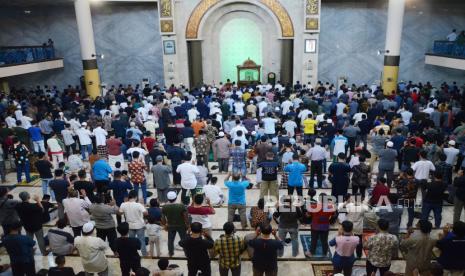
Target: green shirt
(174, 215)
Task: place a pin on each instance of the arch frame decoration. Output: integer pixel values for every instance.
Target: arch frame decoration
(279, 12)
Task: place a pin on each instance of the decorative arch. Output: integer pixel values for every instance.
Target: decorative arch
(193, 24)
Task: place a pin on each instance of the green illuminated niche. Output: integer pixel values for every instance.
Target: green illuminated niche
(240, 38)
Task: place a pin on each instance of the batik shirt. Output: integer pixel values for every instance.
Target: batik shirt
(380, 247)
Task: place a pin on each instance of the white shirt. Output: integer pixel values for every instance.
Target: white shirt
(358, 117)
(406, 116)
(239, 108)
(340, 108)
(84, 136)
(290, 127)
(452, 37)
(67, 137)
(317, 153)
(26, 122)
(10, 121)
(235, 129)
(153, 230)
(451, 154)
(269, 125)
(188, 171)
(150, 126)
(53, 145)
(213, 193)
(142, 152)
(114, 109)
(355, 214)
(261, 106)
(304, 114)
(100, 136)
(285, 106)
(422, 169)
(18, 114)
(92, 252)
(75, 210)
(134, 214)
(192, 114)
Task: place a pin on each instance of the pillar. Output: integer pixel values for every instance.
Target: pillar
(88, 54)
(4, 87)
(194, 54)
(393, 39)
(287, 61)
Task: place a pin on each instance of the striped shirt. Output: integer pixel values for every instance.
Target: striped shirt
(229, 248)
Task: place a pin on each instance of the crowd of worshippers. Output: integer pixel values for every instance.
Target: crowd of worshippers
(93, 158)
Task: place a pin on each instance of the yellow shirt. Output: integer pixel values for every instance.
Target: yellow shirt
(246, 96)
(309, 126)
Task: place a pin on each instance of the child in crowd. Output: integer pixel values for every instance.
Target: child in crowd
(154, 233)
(46, 205)
(60, 269)
(346, 244)
(154, 210)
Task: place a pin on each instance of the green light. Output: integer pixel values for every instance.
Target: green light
(240, 39)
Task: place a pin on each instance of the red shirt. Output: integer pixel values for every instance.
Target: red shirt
(378, 192)
(148, 141)
(419, 142)
(114, 146)
(320, 216)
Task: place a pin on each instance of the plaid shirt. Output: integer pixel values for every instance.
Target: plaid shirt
(229, 249)
(238, 156)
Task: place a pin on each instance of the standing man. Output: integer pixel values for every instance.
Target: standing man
(236, 197)
(459, 199)
(174, 220)
(221, 152)
(309, 128)
(31, 217)
(196, 250)
(127, 249)
(55, 147)
(84, 140)
(92, 251)
(229, 247)
(269, 184)
(202, 147)
(238, 155)
(188, 172)
(100, 135)
(20, 153)
(380, 248)
(351, 132)
(44, 167)
(134, 213)
(100, 173)
(136, 168)
(20, 249)
(387, 160)
(265, 256)
(295, 178)
(76, 210)
(338, 175)
(59, 186)
(317, 156)
(161, 178)
(114, 150)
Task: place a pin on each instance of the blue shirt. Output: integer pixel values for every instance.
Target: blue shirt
(120, 190)
(36, 133)
(236, 191)
(20, 249)
(295, 170)
(101, 170)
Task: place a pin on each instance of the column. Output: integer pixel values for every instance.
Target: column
(4, 87)
(393, 39)
(88, 54)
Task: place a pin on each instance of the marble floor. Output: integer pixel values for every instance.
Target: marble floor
(288, 265)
